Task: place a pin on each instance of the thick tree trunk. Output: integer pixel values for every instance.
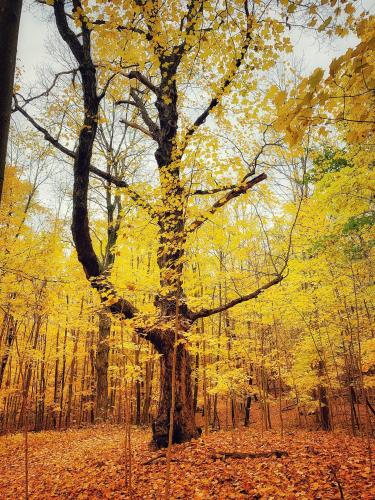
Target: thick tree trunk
(101, 364)
(10, 14)
(184, 428)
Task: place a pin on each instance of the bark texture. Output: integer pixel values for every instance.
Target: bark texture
(184, 428)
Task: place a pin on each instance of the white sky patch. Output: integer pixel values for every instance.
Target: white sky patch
(32, 50)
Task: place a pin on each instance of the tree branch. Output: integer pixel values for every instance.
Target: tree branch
(213, 190)
(137, 75)
(137, 127)
(241, 188)
(222, 455)
(204, 313)
(82, 160)
(151, 125)
(51, 87)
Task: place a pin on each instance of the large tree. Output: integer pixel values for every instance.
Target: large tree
(155, 56)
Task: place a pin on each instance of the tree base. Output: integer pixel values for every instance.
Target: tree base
(181, 434)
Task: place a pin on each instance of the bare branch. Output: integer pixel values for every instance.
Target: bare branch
(120, 183)
(137, 127)
(51, 87)
(125, 101)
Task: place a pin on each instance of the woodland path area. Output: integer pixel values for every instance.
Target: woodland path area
(88, 464)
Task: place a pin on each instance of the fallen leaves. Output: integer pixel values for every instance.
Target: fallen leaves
(88, 464)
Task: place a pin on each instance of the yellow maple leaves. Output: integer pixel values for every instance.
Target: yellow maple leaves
(345, 96)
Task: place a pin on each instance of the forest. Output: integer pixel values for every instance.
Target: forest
(187, 233)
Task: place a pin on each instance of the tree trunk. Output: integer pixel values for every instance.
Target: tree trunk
(72, 376)
(56, 385)
(184, 428)
(248, 399)
(196, 380)
(137, 386)
(10, 14)
(148, 392)
(63, 373)
(11, 326)
(247, 411)
(40, 408)
(101, 364)
(325, 417)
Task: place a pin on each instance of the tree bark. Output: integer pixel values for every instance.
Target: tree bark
(184, 428)
(10, 15)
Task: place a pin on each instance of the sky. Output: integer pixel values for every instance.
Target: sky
(32, 42)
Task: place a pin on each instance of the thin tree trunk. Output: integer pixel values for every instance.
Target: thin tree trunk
(148, 392)
(325, 417)
(63, 377)
(248, 399)
(101, 364)
(71, 380)
(56, 386)
(28, 372)
(196, 379)
(137, 386)
(39, 418)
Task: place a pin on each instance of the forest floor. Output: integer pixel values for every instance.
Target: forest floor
(89, 464)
